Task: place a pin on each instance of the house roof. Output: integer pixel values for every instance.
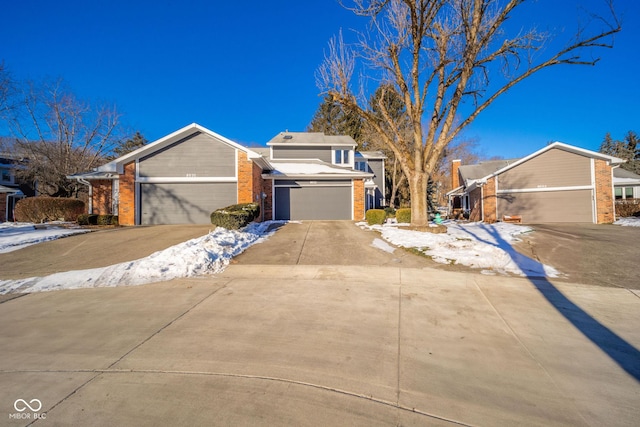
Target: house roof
(371, 154)
(117, 164)
(311, 138)
(312, 169)
(470, 173)
(4, 189)
(623, 176)
(614, 161)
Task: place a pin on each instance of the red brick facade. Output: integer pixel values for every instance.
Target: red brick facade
(251, 185)
(3, 207)
(605, 203)
(358, 199)
(489, 201)
(126, 202)
(101, 199)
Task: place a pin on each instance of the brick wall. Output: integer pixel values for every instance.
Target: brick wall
(245, 179)
(604, 193)
(358, 199)
(3, 207)
(101, 197)
(126, 206)
(489, 200)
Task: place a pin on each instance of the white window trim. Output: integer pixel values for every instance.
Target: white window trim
(342, 150)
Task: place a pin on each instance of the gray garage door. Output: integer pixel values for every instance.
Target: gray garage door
(184, 203)
(548, 206)
(312, 202)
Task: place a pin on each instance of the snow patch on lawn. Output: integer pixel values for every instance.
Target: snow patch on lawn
(18, 235)
(381, 244)
(204, 255)
(477, 245)
(628, 222)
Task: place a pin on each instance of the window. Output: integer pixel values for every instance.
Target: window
(628, 192)
(361, 166)
(341, 157)
(618, 193)
(5, 176)
(624, 193)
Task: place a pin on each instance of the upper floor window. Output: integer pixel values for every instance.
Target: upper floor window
(361, 166)
(341, 157)
(5, 175)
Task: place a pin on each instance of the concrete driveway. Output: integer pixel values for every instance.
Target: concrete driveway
(602, 255)
(317, 345)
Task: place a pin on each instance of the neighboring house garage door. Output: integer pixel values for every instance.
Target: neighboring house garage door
(311, 200)
(548, 206)
(184, 203)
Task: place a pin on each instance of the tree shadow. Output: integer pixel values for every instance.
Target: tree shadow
(619, 350)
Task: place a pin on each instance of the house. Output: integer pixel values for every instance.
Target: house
(626, 184)
(559, 183)
(183, 177)
(11, 188)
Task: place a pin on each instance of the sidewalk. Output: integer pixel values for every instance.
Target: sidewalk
(320, 345)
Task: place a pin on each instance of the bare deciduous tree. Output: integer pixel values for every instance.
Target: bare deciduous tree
(437, 54)
(59, 135)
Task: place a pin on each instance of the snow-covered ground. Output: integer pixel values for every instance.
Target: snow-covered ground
(17, 235)
(483, 246)
(204, 255)
(477, 245)
(628, 222)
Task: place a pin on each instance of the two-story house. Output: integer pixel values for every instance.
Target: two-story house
(184, 176)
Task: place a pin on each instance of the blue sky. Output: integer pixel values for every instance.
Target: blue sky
(246, 69)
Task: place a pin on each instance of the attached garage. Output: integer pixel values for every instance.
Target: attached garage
(184, 203)
(548, 206)
(313, 200)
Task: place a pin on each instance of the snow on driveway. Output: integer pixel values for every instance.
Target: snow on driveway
(477, 245)
(17, 235)
(204, 255)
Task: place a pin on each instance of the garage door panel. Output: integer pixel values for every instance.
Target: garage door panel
(548, 206)
(184, 203)
(313, 203)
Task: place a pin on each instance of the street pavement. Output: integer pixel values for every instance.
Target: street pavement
(326, 344)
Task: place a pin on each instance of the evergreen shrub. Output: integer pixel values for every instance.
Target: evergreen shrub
(403, 215)
(375, 216)
(235, 216)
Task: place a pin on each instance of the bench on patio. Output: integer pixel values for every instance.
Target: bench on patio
(516, 219)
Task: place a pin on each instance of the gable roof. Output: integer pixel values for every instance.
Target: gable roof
(470, 173)
(623, 176)
(311, 138)
(614, 161)
(116, 165)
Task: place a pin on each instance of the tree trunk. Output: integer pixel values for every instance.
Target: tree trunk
(418, 189)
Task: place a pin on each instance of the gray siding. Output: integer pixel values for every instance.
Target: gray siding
(184, 203)
(322, 153)
(376, 167)
(548, 206)
(198, 155)
(554, 168)
(304, 201)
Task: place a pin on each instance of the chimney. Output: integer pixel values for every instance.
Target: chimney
(455, 178)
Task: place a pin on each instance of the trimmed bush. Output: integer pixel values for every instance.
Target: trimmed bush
(628, 207)
(235, 216)
(43, 209)
(403, 215)
(93, 219)
(375, 216)
(391, 212)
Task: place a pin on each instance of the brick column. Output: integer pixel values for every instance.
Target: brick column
(455, 178)
(605, 204)
(489, 201)
(127, 205)
(358, 199)
(245, 179)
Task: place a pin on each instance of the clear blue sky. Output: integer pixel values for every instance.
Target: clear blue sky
(246, 69)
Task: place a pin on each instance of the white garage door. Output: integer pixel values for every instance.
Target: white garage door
(184, 203)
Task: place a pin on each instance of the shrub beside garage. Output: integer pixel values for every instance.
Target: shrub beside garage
(43, 209)
(235, 216)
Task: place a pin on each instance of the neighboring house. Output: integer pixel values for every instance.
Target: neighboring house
(188, 174)
(626, 184)
(559, 183)
(11, 188)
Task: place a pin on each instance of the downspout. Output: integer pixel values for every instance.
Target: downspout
(88, 184)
